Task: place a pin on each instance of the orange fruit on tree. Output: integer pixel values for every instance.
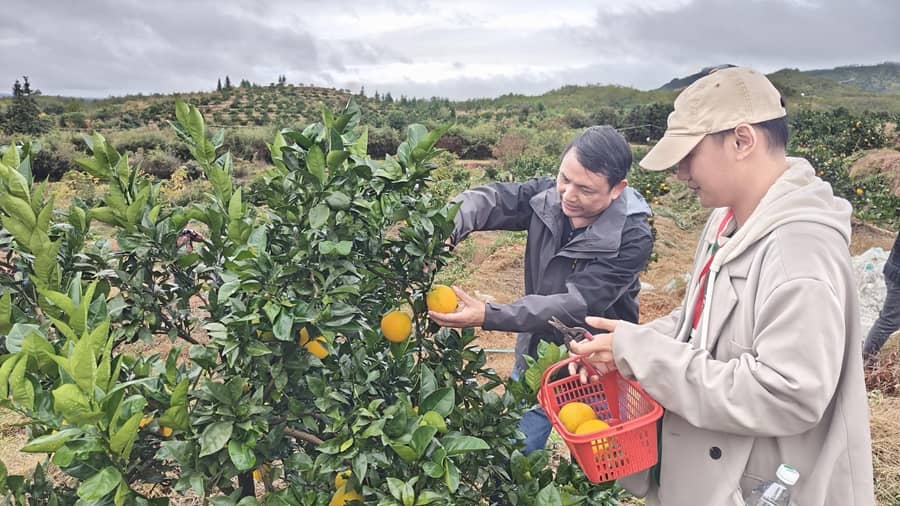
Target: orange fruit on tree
(396, 326)
(145, 420)
(441, 299)
(573, 414)
(340, 479)
(343, 496)
(165, 431)
(316, 346)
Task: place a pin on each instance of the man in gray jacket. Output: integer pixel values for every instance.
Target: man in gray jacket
(761, 364)
(588, 240)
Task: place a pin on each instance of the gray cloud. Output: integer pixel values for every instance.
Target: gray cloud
(460, 50)
(768, 34)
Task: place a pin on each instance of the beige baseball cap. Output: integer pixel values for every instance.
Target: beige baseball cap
(716, 102)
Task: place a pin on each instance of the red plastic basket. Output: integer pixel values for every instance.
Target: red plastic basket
(628, 445)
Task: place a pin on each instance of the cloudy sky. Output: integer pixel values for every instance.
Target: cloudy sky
(449, 48)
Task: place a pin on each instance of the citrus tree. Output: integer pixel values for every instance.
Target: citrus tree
(281, 387)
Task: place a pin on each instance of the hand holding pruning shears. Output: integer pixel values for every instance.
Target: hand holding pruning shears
(594, 350)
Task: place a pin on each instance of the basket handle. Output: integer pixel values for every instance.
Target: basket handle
(545, 378)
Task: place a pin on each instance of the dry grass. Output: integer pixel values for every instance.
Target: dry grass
(885, 422)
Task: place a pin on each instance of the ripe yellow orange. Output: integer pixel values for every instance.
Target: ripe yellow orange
(573, 414)
(145, 420)
(589, 426)
(343, 496)
(260, 471)
(340, 479)
(316, 346)
(396, 326)
(441, 299)
(165, 431)
(592, 426)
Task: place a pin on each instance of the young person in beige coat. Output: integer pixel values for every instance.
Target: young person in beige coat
(762, 363)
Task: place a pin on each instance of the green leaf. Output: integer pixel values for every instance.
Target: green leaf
(456, 445)
(318, 216)
(395, 486)
(84, 366)
(9, 362)
(176, 416)
(59, 300)
(214, 437)
(19, 209)
(343, 248)
(36, 346)
(235, 206)
(50, 442)
(338, 200)
(19, 230)
(422, 438)
(283, 326)
(548, 496)
(360, 147)
(315, 163)
(275, 150)
(434, 419)
(122, 441)
(5, 313)
(97, 486)
(451, 476)
(228, 289)
(335, 158)
(22, 389)
(441, 400)
(72, 404)
(17, 335)
(241, 455)
(433, 469)
(405, 452)
(122, 494)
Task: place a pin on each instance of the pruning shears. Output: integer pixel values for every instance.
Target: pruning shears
(569, 333)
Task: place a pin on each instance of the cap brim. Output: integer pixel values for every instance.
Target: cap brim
(669, 151)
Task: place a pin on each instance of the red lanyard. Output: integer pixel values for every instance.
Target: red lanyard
(704, 272)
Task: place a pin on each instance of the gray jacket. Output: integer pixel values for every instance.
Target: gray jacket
(594, 274)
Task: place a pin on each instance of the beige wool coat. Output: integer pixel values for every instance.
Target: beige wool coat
(775, 373)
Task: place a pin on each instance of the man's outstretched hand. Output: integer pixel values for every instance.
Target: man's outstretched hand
(471, 314)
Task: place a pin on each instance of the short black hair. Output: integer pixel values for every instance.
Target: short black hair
(603, 150)
(775, 130)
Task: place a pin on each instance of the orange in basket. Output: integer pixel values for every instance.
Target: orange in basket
(628, 445)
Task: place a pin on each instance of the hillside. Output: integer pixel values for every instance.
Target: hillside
(881, 78)
(857, 87)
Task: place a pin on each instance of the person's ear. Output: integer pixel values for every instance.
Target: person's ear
(618, 188)
(746, 139)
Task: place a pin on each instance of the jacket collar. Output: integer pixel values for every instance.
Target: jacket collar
(604, 234)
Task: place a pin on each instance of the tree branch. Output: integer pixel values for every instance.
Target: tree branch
(305, 436)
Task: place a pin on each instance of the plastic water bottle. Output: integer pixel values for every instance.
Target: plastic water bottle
(777, 492)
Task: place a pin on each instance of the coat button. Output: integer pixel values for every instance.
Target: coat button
(715, 453)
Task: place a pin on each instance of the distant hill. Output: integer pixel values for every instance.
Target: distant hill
(857, 87)
(683, 82)
(881, 78)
